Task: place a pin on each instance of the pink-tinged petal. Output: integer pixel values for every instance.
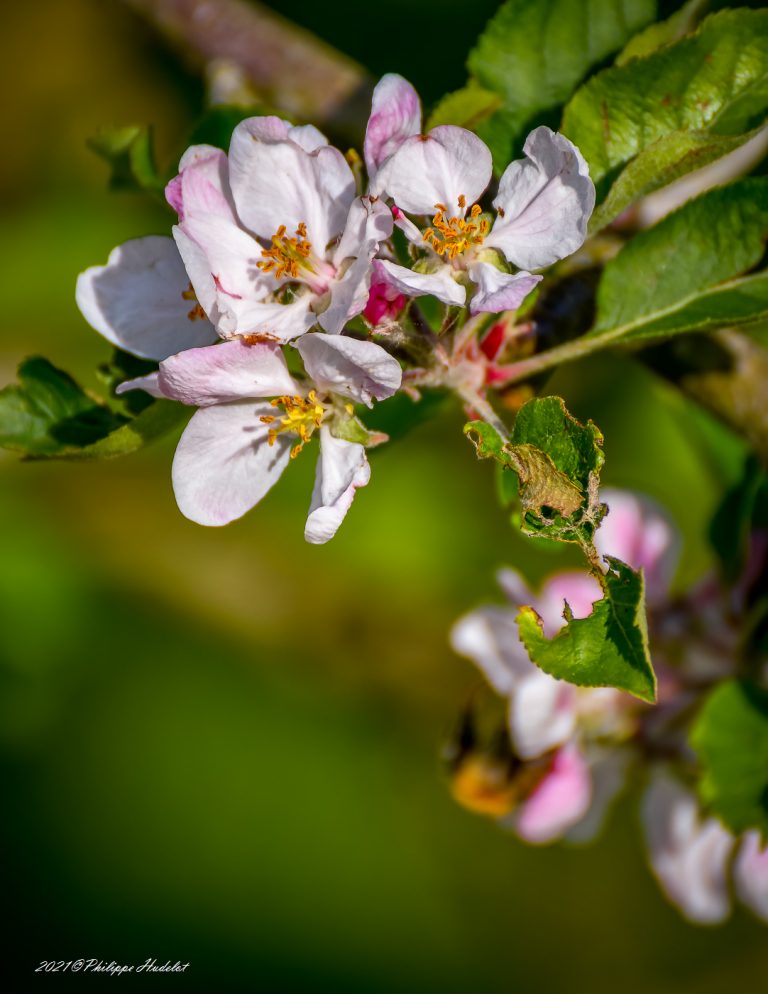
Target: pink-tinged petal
(542, 714)
(497, 291)
(414, 235)
(362, 371)
(395, 116)
(224, 465)
(559, 801)
(342, 467)
(689, 856)
(384, 302)
(546, 200)
(210, 221)
(136, 302)
(307, 136)
(580, 590)
(369, 223)
(637, 531)
(440, 283)
(608, 769)
(149, 384)
(231, 370)
(489, 637)
(750, 874)
(437, 168)
(276, 182)
(214, 303)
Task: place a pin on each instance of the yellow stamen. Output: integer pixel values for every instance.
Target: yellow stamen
(302, 416)
(197, 311)
(450, 236)
(286, 256)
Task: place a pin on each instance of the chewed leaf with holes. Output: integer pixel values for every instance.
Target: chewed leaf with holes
(557, 461)
(607, 649)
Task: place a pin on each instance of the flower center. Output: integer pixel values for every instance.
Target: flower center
(286, 256)
(301, 416)
(450, 236)
(197, 311)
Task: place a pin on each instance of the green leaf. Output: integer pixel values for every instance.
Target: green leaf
(682, 274)
(662, 162)
(732, 522)
(681, 23)
(557, 461)
(48, 413)
(607, 649)
(49, 416)
(160, 418)
(130, 153)
(466, 108)
(534, 52)
(730, 737)
(714, 81)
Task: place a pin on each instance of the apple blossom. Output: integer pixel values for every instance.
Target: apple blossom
(273, 236)
(238, 443)
(691, 855)
(542, 205)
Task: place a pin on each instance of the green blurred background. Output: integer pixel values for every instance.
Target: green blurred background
(221, 746)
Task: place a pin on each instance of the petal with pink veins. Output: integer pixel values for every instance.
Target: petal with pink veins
(224, 464)
(497, 291)
(440, 283)
(362, 371)
(136, 301)
(342, 467)
(395, 116)
(544, 202)
(559, 801)
(229, 371)
(437, 168)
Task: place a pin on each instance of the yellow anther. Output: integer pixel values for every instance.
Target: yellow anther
(450, 236)
(286, 256)
(197, 311)
(302, 416)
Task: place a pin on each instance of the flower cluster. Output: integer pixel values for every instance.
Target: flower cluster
(568, 749)
(281, 260)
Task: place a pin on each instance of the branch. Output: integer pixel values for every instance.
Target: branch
(288, 66)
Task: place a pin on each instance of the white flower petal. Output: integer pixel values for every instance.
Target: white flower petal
(440, 284)
(136, 302)
(490, 638)
(750, 874)
(342, 467)
(149, 384)
(362, 371)
(224, 465)
(542, 714)
(395, 116)
(497, 291)
(547, 199)
(559, 801)
(231, 370)
(273, 320)
(608, 770)
(437, 168)
(277, 182)
(688, 856)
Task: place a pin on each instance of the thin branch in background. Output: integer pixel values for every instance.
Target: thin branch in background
(287, 66)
